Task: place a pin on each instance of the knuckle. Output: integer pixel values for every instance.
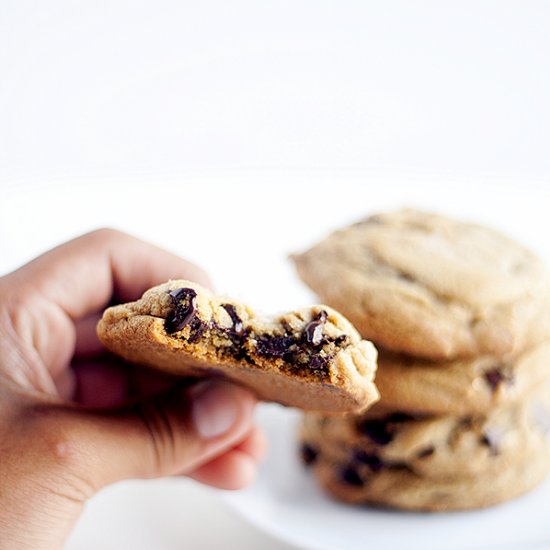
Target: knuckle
(17, 309)
(107, 234)
(60, 454)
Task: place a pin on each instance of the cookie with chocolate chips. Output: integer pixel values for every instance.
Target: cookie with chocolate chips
(437, 447)
(460, 387)
(429, 286)
(398, 487)
(430, 463)
(312, 358)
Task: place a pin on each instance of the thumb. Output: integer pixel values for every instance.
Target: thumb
(172, 433)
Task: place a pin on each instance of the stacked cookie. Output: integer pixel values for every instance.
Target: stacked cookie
(461, 317)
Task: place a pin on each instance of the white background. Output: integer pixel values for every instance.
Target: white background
(235, 133)
(114, 87)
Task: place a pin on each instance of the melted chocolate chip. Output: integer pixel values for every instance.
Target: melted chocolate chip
(342, 339)
(308, 454)
(313, 333)
(425, 453)
(197, 328)
(184, 309)
(290, 350)
(495, 377)
(271, 345)
(237, 321)
(350, 476)
(371, 460)
(319, 364)
(376, 430)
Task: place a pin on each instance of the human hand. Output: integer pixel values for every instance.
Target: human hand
(74, 419)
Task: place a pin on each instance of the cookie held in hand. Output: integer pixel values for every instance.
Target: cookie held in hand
(313, 358)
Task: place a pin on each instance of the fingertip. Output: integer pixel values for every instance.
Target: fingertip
(221, 409)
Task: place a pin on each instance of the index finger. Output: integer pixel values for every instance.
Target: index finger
(83, 275)
(53, 297)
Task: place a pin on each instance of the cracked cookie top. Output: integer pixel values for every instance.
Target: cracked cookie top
(430, 286)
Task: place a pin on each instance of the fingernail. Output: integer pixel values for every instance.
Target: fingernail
(215, 409)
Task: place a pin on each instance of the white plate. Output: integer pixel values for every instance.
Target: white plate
(286, 503)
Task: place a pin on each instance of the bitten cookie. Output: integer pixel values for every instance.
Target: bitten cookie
(313, 358)
(460, 386)
(432, 287)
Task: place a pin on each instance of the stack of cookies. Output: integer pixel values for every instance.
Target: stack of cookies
(461, 317)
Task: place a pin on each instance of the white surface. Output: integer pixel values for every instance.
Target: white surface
(237, 132)
(287, 503)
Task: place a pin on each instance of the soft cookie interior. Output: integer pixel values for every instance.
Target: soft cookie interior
(300, 343)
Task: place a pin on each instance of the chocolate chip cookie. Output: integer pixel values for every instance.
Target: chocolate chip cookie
(438, 447)
(312, 358)
(430, 463)
(466, 386)
(398, 487)
(432, 287)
